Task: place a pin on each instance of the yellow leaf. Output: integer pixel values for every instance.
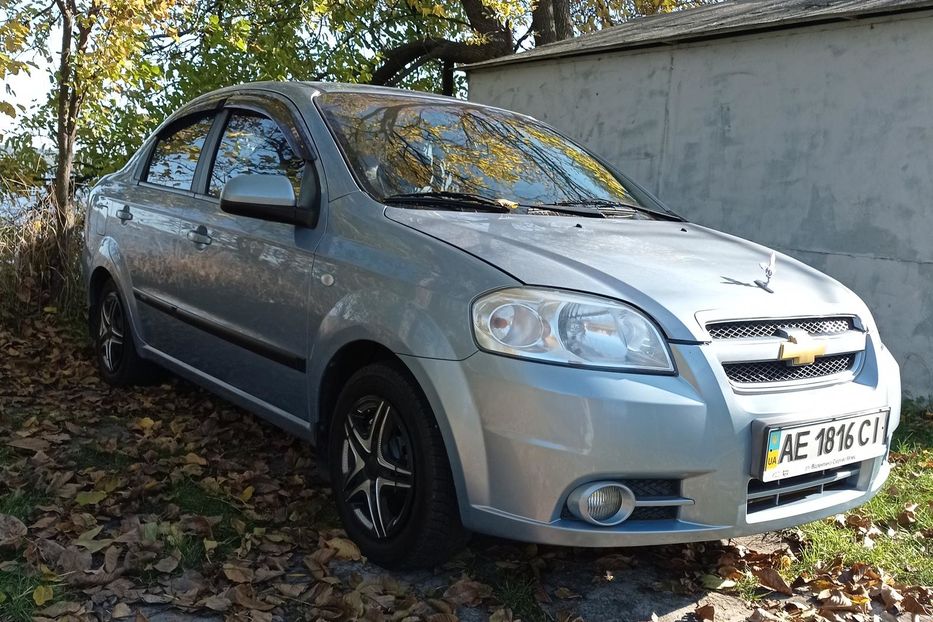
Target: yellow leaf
(346, 549)
(247, 494)
(90, 498)
(145, 423)
(193, 458)
(42, 594)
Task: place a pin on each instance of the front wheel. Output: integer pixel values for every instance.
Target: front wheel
(390, 472)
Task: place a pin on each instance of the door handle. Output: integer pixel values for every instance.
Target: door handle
(124, 214)
(199, 236)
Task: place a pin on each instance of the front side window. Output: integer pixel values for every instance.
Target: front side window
(253, 145)
(403, 145)
(175, 156)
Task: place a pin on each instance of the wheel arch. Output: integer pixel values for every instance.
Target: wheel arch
(99, 276)
(346, 361)
(353, 356)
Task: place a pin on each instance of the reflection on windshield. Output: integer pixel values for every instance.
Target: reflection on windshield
(401, 145)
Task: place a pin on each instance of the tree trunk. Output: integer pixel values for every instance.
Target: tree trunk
(447, 78)
(62, 191)
(542, 23)
(64, 128)
(563, 25)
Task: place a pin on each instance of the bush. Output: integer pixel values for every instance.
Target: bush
(39, 260)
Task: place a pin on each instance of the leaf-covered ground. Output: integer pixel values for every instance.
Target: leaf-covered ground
(166, 503)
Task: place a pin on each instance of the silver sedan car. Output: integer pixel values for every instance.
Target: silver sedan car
(482, 326)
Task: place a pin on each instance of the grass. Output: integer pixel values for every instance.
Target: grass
(21, 504)
(748, 589)
(192, 499)
(7, 455)
(907, 555)
(517, 592)
(16, 588)
(90, 456)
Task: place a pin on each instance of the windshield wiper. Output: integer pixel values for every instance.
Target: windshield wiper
(465, 200)
(448, 199)
(615, 205)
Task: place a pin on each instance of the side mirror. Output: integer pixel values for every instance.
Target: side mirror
(266, 197)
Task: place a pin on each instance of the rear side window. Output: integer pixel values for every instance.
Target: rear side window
(253, 145)
(175, 156)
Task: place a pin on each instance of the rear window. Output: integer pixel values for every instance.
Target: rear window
(175, 156)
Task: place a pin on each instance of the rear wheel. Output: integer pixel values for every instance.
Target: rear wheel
(114, 348)
(390, 472)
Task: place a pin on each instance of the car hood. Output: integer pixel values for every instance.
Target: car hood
(682, 274)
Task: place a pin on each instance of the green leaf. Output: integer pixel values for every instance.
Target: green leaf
(715, 582)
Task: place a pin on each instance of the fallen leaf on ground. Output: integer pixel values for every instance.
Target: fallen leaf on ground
(467, 593)
(346, 549)
(238, 574)
(772, 579)
(12, 531)
(121, 610)
(42, 594)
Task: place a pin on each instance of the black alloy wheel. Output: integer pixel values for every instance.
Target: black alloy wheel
(390, 472)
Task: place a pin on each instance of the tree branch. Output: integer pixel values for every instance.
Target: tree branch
(396, 59)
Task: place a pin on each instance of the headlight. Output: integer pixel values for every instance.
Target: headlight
(569, 328)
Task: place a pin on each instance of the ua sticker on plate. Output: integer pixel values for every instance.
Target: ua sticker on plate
(774, 448)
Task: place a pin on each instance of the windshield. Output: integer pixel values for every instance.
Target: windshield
(400, 145)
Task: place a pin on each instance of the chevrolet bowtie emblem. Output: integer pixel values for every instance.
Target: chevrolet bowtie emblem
(799, 348)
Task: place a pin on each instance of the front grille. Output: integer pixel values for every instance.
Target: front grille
(779, 371)
(764, 496)
(645, 490)
(653, 487)
(653, 513)
(753, 329)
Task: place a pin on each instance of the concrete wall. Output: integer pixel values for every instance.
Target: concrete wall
(816, 141)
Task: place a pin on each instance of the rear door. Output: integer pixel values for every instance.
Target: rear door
(145, 221)
(246, 281)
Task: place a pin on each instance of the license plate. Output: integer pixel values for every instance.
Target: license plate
(792, 450)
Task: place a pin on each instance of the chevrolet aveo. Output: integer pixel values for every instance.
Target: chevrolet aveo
(482, 326)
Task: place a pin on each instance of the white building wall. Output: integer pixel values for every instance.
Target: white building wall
(816, 141)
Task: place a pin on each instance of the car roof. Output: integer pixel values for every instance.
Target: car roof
(296, 90)
(290, 87)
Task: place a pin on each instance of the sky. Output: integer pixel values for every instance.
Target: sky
(27, 90)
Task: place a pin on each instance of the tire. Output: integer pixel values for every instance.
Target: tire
(114, 348)
(390, 473)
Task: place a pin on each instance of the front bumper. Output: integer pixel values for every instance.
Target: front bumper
(522, 435)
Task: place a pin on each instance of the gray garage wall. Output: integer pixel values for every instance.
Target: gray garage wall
(816, 141)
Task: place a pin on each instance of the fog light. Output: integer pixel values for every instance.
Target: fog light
(602, 503)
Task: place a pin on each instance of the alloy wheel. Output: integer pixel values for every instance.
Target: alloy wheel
(111, 332)
(377, 467)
